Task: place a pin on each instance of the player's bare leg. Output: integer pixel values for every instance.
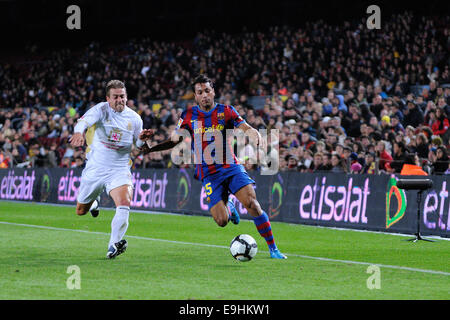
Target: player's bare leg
(247, 196)
(83, 208)
(223, 213)
(220, 213)
(122, 198)
(122, 195)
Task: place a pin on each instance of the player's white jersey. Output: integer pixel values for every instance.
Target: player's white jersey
(113, 135)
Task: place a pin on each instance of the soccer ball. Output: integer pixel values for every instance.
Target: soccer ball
(243, 247)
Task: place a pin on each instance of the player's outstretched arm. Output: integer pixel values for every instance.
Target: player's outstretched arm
(165, 145)
(144, 136)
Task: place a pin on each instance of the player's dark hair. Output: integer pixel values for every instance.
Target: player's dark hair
(202, 78)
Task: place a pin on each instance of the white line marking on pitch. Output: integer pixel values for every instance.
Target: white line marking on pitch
(225, 247)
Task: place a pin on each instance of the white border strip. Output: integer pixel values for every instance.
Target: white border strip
(225, 247)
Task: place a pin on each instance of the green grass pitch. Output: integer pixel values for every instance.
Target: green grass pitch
(174, 257)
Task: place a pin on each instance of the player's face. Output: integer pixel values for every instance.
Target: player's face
(204, 95)
(117, 99)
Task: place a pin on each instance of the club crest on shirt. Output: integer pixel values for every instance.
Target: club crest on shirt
(129, 126)
(115, 135)
(221, 116)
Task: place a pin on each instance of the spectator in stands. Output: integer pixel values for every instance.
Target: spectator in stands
(429, 113)
(149, 121)
(337, 165)
(355, 167)
(441, 162)
(383, 155)
(440, 125)
(398, 157)
(306, 141)
(156, 161)
(369, 165)
(317, 165)
(410, 137)
(422, 145)
(385, 125)
(444, 102)
(54, 157)
(16, 159)
(396, 125)
(354, 163)
(79, 162)
(376, 106)
(354, 128)
(306, 126)
(373, 122)
(308, 158)
(292, 163)
(413, 115)
(412, 166)
(346, 156)
(66, 163)
(166, 118)
(357, 147)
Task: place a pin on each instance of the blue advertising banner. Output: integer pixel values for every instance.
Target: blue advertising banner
(366, 202)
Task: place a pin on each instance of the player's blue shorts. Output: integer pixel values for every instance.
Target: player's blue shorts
(218, 186)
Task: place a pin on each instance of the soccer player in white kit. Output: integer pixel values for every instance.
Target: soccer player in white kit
(116, 127)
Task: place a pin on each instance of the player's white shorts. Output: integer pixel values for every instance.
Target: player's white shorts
(94, 179)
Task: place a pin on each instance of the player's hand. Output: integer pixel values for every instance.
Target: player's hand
(77, 139)
(145, 148)
(146, 134)
(257, 140)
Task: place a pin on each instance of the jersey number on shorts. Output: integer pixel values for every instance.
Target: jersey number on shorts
(208, 191)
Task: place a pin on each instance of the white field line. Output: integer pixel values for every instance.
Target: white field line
(225, 247)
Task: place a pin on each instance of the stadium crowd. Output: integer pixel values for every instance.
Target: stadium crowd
(340, 95)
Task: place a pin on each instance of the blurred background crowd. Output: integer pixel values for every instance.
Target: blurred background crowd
(342, 97)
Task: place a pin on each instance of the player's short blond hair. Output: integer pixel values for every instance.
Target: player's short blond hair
(114, 84)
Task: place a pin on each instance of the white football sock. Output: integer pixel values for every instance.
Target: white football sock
(119, 224)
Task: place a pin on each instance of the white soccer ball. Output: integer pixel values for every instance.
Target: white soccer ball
(243, 247)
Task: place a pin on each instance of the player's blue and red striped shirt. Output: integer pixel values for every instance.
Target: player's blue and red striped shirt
(200, 123)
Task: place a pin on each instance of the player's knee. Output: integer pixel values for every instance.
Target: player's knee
(123, 203)
(251, 204)
(253, 207)
(221, 221)
(81, 211)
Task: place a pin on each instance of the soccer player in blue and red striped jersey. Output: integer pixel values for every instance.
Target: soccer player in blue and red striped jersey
(216, 165)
